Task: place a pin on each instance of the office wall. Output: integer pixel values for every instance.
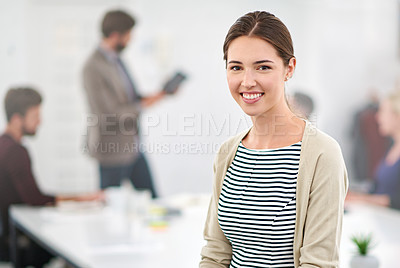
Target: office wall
(342, 47)
(12, 48)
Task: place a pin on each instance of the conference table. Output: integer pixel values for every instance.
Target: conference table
(100, 237)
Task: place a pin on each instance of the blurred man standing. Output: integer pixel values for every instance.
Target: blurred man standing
(113, 137)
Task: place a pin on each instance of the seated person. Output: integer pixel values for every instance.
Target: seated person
(387, 184)
(17, 183)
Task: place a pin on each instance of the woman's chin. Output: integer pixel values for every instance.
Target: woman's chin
(251, 113)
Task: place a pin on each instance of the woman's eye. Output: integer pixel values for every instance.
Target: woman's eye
(264, 67)
(235, 68)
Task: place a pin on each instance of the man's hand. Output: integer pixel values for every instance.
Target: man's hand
(97, 196)
(150, 100)
(374, 199)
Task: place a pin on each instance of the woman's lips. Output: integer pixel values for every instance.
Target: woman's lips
(250, 98)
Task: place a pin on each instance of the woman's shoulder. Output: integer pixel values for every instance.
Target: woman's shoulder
(318, 142)
(233, 141)
(228, 148)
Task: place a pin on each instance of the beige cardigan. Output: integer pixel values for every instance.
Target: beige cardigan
(320, 193)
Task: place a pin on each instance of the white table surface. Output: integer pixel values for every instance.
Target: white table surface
(100, 238)
(382, 223)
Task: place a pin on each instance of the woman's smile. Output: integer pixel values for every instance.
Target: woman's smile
(251, 97)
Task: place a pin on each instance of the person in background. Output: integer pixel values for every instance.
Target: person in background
(279, 187)
(302, 105)
(17, 182)
(114, 138)
(387, 177)
(368, 144)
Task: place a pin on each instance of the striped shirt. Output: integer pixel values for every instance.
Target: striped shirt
(257, 206)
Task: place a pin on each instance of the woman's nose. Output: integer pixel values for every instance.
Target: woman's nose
(248, 80)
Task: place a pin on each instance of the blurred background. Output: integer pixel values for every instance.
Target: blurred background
(346, 52)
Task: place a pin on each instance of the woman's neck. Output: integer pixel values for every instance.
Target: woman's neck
(275, 130)
(394, 152)
(396, 138)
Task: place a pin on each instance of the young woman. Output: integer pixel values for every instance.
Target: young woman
(279, 187)
(387, 183)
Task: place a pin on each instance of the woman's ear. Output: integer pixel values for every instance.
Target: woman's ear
(290, 68)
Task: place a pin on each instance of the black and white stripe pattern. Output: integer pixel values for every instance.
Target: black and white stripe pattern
(257, 206)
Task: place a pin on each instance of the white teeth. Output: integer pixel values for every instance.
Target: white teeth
(251, 96)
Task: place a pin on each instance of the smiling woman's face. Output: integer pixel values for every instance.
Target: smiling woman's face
(256, 75)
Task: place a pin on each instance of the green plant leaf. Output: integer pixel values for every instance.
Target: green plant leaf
(363, 243)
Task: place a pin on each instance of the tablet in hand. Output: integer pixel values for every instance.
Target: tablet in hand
(172, 85)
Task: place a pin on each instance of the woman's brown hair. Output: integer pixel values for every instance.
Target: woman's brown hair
(263, 25)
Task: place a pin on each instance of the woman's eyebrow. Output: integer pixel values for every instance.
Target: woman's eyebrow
(257, 62)
(263, 61)
(235, 62)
